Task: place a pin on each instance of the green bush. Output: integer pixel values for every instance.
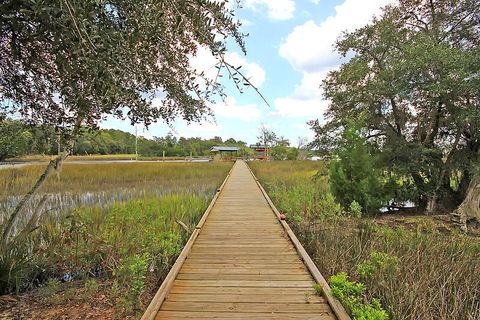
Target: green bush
(354, 175)
(131, 275)
(378, 262)
(352, 295)
(355, 209)
(14, 266)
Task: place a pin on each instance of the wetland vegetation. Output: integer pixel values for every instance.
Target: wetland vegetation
(418, 267)
(110, 230)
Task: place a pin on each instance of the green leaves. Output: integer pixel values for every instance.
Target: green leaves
(352, 296)
(412, 80)
(355, 175)
(88, 59)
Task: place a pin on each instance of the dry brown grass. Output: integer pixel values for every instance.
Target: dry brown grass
(435, 275)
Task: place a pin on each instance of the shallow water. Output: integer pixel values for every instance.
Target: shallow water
(60, 204)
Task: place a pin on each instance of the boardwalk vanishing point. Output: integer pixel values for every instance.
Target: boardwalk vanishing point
(243, 262)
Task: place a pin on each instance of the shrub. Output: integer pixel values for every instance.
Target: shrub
(132, 274)
(378, 262)
(14, 267)
(352, 296)
(355, 209)
(354, 174)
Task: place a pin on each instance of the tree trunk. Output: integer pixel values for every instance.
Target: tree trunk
(470, 207)
(443, 178)
(54, 164)
(432, 204)
(463, 185)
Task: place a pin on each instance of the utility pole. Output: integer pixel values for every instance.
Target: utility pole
(266, 144)
(136, 144)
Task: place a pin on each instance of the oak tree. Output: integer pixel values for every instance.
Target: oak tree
(414, 74)
(70, 63)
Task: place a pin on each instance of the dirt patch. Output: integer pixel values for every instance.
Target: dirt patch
(73, 301)
(442, 222)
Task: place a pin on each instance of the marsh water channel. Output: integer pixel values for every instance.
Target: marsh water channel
(58, 205)
(63, 202)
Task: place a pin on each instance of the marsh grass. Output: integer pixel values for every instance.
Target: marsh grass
(78, 178)
(416, 274)
(94, 157)
(132, 240)
(105, 183)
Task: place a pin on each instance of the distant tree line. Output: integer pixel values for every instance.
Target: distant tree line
(18, 139)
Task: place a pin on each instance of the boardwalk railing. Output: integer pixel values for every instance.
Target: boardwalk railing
(167, 283)
(243, 262)
(334, 303)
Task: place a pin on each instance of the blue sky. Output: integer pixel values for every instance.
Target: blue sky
(289, 52)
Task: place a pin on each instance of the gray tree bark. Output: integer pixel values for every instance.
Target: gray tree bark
(470, 207)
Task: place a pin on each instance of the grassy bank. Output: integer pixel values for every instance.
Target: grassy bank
(111, 251)
(93, 157)
(417, 271)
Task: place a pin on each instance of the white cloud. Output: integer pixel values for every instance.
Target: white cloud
(277, 9)
(305, 101)
(230, 109)
(206, 62)
(310, 46)
(204, 130)
(309, 49)
(246, 23)
(254, 72)
(292, 107)
(315, 1)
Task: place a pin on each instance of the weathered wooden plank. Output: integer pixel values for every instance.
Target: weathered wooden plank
(244, 283)
(241, 242)
(244, 265)
(235, 316)
(289, 297)
(246, 307)
(244, 291)
(249, 277)
(237, 270)
(244, 251)
(250, 260)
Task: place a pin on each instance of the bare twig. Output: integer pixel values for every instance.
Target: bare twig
(183, 225)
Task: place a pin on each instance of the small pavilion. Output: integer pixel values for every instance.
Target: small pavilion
(224, 152)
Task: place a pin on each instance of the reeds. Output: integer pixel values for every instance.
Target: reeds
(430, 274)
(104, 218)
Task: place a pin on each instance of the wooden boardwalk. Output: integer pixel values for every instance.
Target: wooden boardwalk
(241, 263)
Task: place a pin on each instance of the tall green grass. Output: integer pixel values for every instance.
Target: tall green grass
(105, 183)
(131, 241)
(417, 274)
(103, 176)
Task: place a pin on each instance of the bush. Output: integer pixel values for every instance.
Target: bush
(132, 274)
(14, 267)
(354, 175)
(417, 273)
(355, 209)
(352, 296)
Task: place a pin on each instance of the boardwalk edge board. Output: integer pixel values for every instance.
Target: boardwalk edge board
(167, 283)
(336, 306)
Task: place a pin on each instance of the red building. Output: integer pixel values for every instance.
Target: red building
(261, 152)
